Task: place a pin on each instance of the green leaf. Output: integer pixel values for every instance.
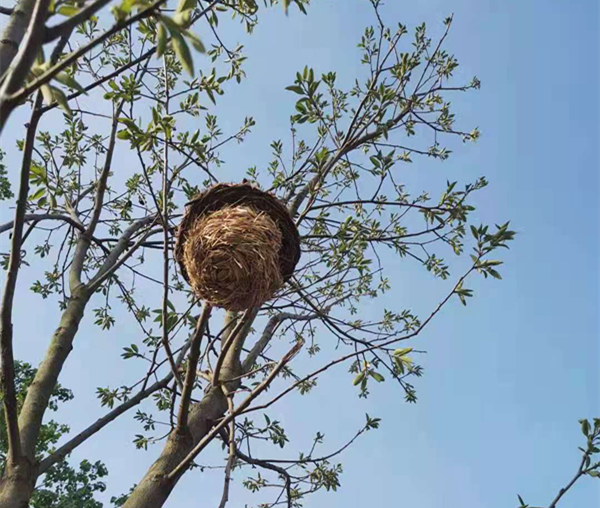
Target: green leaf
(161, 39)
(376, 376)
(185, 5)
(585, 427)
(61, 100)
(38, 194)
(127, 5)
(183, 18)
(47, 94)
(402, 351)
(296, 89)
(195, 40)
(68, 10)
(358, 378)
(182, 51)
(69, 81)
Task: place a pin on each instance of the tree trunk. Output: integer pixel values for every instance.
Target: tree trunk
(155, 488)
(18, 482)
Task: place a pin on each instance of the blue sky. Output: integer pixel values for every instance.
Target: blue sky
(506, 378)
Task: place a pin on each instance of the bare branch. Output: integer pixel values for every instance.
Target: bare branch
(84, 241)
(38, 217)
(246, 317)
(267, 335)
(13, 33)
(113, 263)
(190, 376)
(97, 426)
(267, 465)
(28, 50)
(56, 31)
(564, 490)
(367, 349)
(232, 450)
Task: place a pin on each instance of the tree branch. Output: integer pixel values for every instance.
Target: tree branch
(564, 490)
(13, 33)
(229, 342)
(38, 217)
(232, 450)
(267, 465)
(185, 463)
(267, 335)
(113, 263)
(367, 349)
(190, 375)
(97, 426)
(6, 327)
(84, 241)
(28, 50)
(56, 31)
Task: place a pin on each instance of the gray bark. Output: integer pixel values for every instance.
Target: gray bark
(14, 32)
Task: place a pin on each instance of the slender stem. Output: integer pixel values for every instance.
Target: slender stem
(232, 450)
(165, 224)
(564, 490)
(267, 465)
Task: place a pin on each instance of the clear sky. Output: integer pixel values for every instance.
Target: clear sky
(506, 378)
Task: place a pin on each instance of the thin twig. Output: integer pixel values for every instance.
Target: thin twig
(232, 449)
(564, 490)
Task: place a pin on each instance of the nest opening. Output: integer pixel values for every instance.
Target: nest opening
(232, 257)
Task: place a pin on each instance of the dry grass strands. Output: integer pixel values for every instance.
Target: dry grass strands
(255, 235)
(231, 257)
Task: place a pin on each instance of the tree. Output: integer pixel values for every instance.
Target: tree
(100, 236)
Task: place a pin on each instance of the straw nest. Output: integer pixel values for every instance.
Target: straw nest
(236, 246)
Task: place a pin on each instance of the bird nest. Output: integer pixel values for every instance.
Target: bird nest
(236, 246)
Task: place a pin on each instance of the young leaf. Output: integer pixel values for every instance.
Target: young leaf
(161, 40)
(359, 378)
(61, 100)
(68, 10)
(47, 94)
(69, 81)
(183, 52)
(195, 40)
